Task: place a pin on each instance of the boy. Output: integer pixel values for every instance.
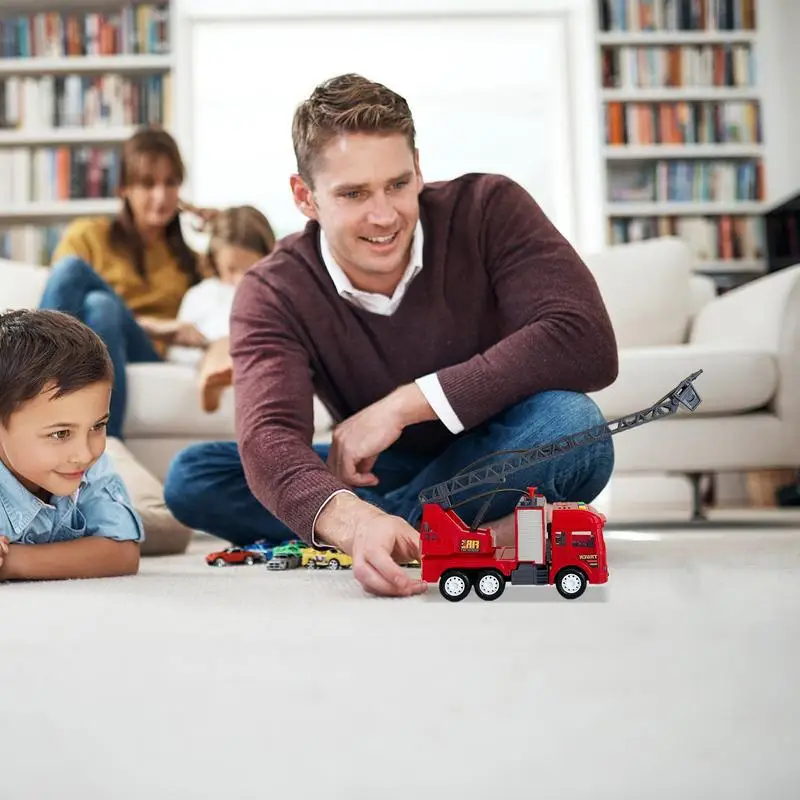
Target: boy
(64, 511)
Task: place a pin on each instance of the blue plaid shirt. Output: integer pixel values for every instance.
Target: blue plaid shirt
(101, 506)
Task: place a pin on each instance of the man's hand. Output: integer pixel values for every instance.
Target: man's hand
(377, 542)
(358, 441)
(378, 548)
(3, 551)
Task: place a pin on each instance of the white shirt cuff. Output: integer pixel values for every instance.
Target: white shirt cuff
(320, 545)
(429, 386)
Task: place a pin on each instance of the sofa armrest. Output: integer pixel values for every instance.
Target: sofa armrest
(762, 315)
(21, 285)
(753, 316)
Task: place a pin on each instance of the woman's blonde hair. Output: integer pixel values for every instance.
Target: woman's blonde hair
(240, 226)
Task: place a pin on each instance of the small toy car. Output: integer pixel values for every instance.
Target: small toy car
(287, 561)
(234, 556)
(261, 547)
(326, 559)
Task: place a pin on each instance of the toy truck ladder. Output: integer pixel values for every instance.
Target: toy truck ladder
(684, 394)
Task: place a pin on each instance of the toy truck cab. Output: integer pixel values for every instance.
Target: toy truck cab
(577, 548)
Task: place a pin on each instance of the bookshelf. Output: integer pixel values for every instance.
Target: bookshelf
(683, 151)
(77, 77)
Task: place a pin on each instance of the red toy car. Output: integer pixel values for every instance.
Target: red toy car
(234, 555)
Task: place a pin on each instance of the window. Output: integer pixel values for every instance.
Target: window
(582, 539)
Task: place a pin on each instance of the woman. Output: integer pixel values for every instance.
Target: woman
(126, 278)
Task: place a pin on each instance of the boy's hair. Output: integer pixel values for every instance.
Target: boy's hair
(240, 226)
(346, 104)
(40, 347)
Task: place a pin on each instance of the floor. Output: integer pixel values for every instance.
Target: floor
(677, 680)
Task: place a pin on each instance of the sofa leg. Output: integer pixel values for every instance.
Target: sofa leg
(698, 513)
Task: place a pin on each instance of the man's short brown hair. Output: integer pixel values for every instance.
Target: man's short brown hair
(40, 347)
(346, 104)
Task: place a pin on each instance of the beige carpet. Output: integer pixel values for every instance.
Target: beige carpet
(680, 680)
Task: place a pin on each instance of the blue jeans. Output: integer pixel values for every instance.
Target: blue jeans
(75, 288)
(205, 487)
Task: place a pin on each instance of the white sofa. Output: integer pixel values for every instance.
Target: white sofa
(669, 323)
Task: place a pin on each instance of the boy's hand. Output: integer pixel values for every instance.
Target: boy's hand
(4, 543)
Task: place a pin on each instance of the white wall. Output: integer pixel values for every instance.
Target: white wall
(779, 76)
(503, 87)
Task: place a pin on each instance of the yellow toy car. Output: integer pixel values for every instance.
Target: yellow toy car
(326, 559)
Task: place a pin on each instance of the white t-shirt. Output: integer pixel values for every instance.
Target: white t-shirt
(207, 305)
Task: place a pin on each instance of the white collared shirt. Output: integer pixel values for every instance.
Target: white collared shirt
(380, 304)
(370, 301)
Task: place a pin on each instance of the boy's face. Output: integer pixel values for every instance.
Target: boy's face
(50, 442)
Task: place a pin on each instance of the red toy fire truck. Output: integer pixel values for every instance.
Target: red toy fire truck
(568, 550)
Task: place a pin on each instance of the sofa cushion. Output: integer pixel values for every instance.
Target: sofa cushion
(645, 286)
(165, 400)
(21, 285)
(649, 373)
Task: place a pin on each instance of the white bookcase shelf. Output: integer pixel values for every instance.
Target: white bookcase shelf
(59, 210)
(682, 209)
(100, 134)
(77, 77)
(682, 118)
(85, 64)
(648, 38)
(634, 152)
(679, 94)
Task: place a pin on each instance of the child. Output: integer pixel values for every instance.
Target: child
(64, 512)
(239, 237)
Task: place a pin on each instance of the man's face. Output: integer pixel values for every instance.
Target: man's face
(50, 442)
(366, 200)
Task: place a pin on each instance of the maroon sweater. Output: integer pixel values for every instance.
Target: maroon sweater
(502, 308)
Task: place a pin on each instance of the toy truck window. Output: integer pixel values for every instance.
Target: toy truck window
(561, 538)
(582, 539)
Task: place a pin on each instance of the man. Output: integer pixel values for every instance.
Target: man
(437, 323)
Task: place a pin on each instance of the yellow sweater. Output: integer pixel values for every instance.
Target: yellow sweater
(160, 296)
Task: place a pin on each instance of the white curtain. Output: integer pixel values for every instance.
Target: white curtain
(488, 95)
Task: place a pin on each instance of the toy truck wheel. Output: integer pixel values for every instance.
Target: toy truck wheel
(490, 585)
(220, 562)
(334, 563)
(249, 561)
(454, 585)
(571, 583)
